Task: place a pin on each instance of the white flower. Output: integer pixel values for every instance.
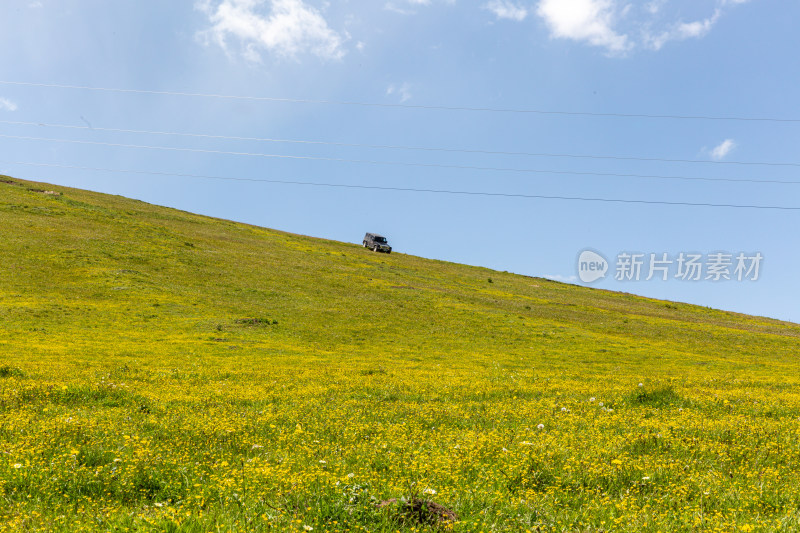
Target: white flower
(600, 404)
(429, 491)
(17, 465)
(540, 426)
(323, 462)
(641, 385)
(591, 399)
(526, 443)
(646, 478)
(351, 475)
(308, 528)
(256, 446)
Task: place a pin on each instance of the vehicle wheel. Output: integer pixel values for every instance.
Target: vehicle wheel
(389, 252)
(365, 244)
(374, 248)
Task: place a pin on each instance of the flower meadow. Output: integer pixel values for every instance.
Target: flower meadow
(162, 371)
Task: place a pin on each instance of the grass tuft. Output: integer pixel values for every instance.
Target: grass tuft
(10, 372)
(658, 398)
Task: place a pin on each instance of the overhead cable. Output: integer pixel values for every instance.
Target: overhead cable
(405, 105)
(420, 190)
(395, 163)
(397, 147)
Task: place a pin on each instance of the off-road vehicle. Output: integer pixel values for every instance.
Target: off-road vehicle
(377, 243)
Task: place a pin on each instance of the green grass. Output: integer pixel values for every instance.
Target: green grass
(164, 371)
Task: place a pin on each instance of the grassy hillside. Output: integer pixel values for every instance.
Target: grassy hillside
(161, 370)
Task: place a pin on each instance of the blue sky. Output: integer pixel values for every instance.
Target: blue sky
(594, 62)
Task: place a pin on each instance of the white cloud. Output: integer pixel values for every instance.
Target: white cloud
(559, 277)
(7, 105)
(290, 29)
(391, 6)
(723, 149)
(584, 20)
(397, 7)
(654, 6)
(504, 9)
(697, 28)
(403, 90)
(620, 25)
(681, 31)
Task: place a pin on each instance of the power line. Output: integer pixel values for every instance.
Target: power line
(415, 190)
(395, 147)
(399, 163)
(405, 106)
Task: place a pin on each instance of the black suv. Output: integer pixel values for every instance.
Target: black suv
(377, 243)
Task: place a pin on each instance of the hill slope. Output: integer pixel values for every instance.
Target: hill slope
(167, 370)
